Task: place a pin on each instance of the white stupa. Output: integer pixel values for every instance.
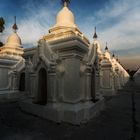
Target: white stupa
(65, 26)
(11, 65)
(13, 46)
(65, 18)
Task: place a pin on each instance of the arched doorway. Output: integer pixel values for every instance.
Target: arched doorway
(42, 87)
(93, 85)
(22, 82)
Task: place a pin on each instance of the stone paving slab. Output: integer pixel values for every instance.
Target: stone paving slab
(114, 123)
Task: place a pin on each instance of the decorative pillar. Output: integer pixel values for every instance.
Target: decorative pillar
(52, 84)
(14, 85)
(32, 84)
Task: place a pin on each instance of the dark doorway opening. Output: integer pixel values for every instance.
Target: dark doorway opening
(22, 82)
(42, 87)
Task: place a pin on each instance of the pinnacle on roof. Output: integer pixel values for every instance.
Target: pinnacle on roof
(106, 48)
(65, 2)
(113, 55)
(15, 28)
(95, 34)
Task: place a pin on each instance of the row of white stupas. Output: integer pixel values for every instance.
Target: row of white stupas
(65, 73)
(113, 76)
(13, 51)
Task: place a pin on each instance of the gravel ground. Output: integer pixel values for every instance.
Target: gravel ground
(119, 121)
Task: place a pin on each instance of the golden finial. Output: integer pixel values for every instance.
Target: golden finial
(15, 28)
(106, 48)
(113, 55)
(95, 34)
(117, 58)
(65, 2)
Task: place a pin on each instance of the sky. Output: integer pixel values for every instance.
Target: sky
(117, 22)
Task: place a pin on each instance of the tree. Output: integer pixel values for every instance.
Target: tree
(2, 22)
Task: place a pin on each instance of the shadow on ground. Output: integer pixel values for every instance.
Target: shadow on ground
(114, 123)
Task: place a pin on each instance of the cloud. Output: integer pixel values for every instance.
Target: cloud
(118, 24)
(35, 23)
(130, 63)
(129, 58)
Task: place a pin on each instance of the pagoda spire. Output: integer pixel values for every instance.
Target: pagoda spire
(95, 34)
(15, 28)
(117, 58)
(106, 48)
(113, 55)
(65, 2)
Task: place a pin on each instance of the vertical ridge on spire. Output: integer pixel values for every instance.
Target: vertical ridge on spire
(95, 34)
(15, 28)
(106, 48)
(117, 58)
(65, 2)
(113, 55)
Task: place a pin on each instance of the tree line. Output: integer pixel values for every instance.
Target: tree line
(2, 23)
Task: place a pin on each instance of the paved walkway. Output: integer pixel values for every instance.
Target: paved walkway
(120, 121)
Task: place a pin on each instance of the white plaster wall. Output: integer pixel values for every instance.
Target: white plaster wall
(72, 80)
(3, 78)
(106, 78)
(137, 79)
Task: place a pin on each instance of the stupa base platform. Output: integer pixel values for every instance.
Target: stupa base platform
(8, 95)
(63, 112)
(106, 92)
